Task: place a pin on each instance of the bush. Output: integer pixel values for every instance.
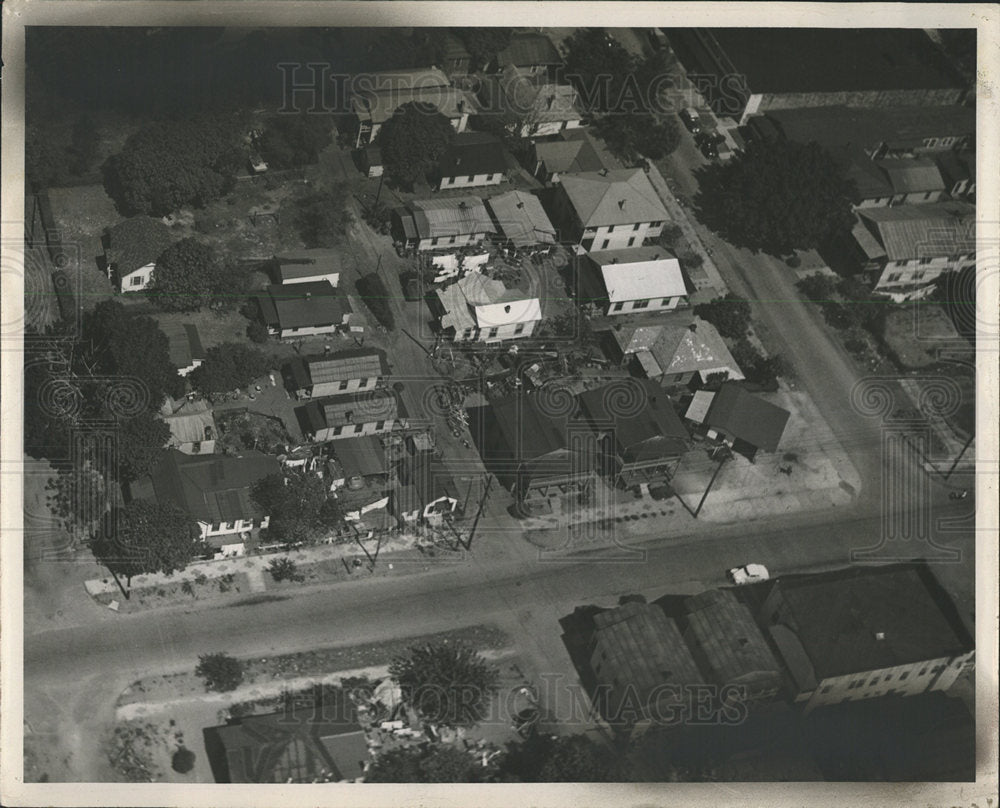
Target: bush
(793, 261)
(730, 315)
(284, 569)
(691, 260)
(257, 331)
(372, 290)
(220, 671)
(817, 287)
(183, 760)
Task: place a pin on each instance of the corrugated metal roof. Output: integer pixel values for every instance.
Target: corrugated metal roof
(362, 456)
(941, 229)
(365, 363)
(455, 216)
(358, 408)
(521, 219)
(527, 49)
(306, 304)
(918, 175)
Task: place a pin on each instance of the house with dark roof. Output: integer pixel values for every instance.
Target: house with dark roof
(303, 745)
(633, 279)
(754, 70)
(865, 632)
(183, 345)
(131, 249)
(636, 424)
(338, 372)
(474, 159)
(572, 153)
(425, 490)
(608, 210)
(353, 458)
(431, 224)
(682, 351)
(529, 51)
(292, 311)
(370, 412)
(729, 646)
(214, 490)
(643, 669)
(914, 245)
(521, 221)
(741, 420)
(307, 266)
(958, 169)
(535, 446)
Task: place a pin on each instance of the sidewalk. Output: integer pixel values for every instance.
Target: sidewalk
(952, 443)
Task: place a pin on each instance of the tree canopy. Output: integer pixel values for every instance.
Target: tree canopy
(425, 764)
(730, 315)
(220, 671)
(141, 442)
(227, 367)
(447, 684)
(600, 68)
(320, 218)
(563, 759)
(290, 141)
(300, 507)
(145, 537)
(184, 275)
(776, 197)
(484, 44)
(638, 134)
(412, 142)
(174, 163)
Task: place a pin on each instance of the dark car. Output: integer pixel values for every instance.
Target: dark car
(691, 119)
(708, 144)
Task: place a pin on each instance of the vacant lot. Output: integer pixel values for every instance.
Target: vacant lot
(918, 333)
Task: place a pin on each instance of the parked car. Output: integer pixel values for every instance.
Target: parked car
(691, 119)
(708, 143)
(748, 574)
(257, 164)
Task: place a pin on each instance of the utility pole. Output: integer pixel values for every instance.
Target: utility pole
(378, 193)
(711, 482)
(482, 504)
(961, 454)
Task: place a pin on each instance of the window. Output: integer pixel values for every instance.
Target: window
(893, 277)
(493, 332)
(618, 307)
(363, 382)
(925, 260)
(604, 244)
(358, 428)
(937, 669)
(519, 328)
(343, 385)
(472, 178)
(434, 242)
(451, 239)
(927, 195)
(611, 228)
(631, 241)
(655, 224)
(640, 304)
(826, 689)
(135, 280)
(666, 301)
(337, 430)
(636, 226)
(215, 527)
(380, 425)
(923, 672)
(229, 525)
(903, 675)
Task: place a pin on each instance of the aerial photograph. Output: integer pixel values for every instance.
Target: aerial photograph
(499, 405)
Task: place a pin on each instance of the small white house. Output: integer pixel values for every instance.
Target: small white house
(477, 308)
(131, 249)
(308, 266)
(633, 280)
(473, 160)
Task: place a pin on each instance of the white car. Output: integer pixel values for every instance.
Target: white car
(750, 574)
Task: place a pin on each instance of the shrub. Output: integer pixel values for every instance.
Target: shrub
(730, 315)
(793, 261)
(817, 287)
(284, 569)
(183, 760)
(257, 331)
(220, 671)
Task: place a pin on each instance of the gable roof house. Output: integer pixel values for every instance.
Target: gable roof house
(529, 51)
(304, 309)
(745, 422)
(478, 308)
(214, 490)
(521, 220)
(184, 346)
(684, 351)
(608, 210)
(353, 458)
(916, 244)
(474, 159)
(321, 744)
(634, 279)
(377, 96)
(192, 427)
(428, 224)
(642, 667)
(572, 153)
(636, 424)
(865, 632)
(131, 249)
(340, 372)
(306, 266)
(369, 412)
(534, 107)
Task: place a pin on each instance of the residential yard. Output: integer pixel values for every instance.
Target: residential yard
(917, 333)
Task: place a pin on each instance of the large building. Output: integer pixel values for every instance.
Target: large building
(865, 632)
(743, 71)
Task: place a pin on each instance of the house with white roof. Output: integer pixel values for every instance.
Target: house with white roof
(477, 308)
(608, 210)
(432, 224)
(631, 280)
(306, 266)
(683, 351)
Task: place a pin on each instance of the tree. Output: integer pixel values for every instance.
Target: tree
(145, 537)
(631, 137)
(372, 290)
(776, 196)
(730, 315)
(220, 671)
(425, 764)
(228, 367)
(321, 219)
(757, 368)
(602, 71)
(817, 287)
(550, 759)
(299, 505)
(45, 163)
(412, 142)
(290, 141)
(170, 164)
(83, 145)
(284, 569)
(140, 446)
(80, 498)
(184, 275)
(484, 44)
(447, 684)
(183, 760)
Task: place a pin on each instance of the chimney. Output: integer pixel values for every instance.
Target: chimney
(461, 105)
(506, 309)
(693, 327)
(879, 635)
(458, 160)
(621, 204)
(520, 205)
(308, 295)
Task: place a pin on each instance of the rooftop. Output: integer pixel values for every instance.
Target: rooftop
(940, 229)
(684, 344)
(454, 216)
(913, 175)
(527, 49)
(623, 196)
(183, 343)
(364, 407)
(308, 263)
(476, 301)
(419, 77)
(865, 618)
(378, 107)
(427, 479)
(360, 363)
(210, 488)
(747, 417)
(363, 456)
(299, 305)
(517, 92)
(520, 217)
(568, 156)
(136, 242)
(640, 273)
(642, 416)
(188, 425)
(471, 154)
